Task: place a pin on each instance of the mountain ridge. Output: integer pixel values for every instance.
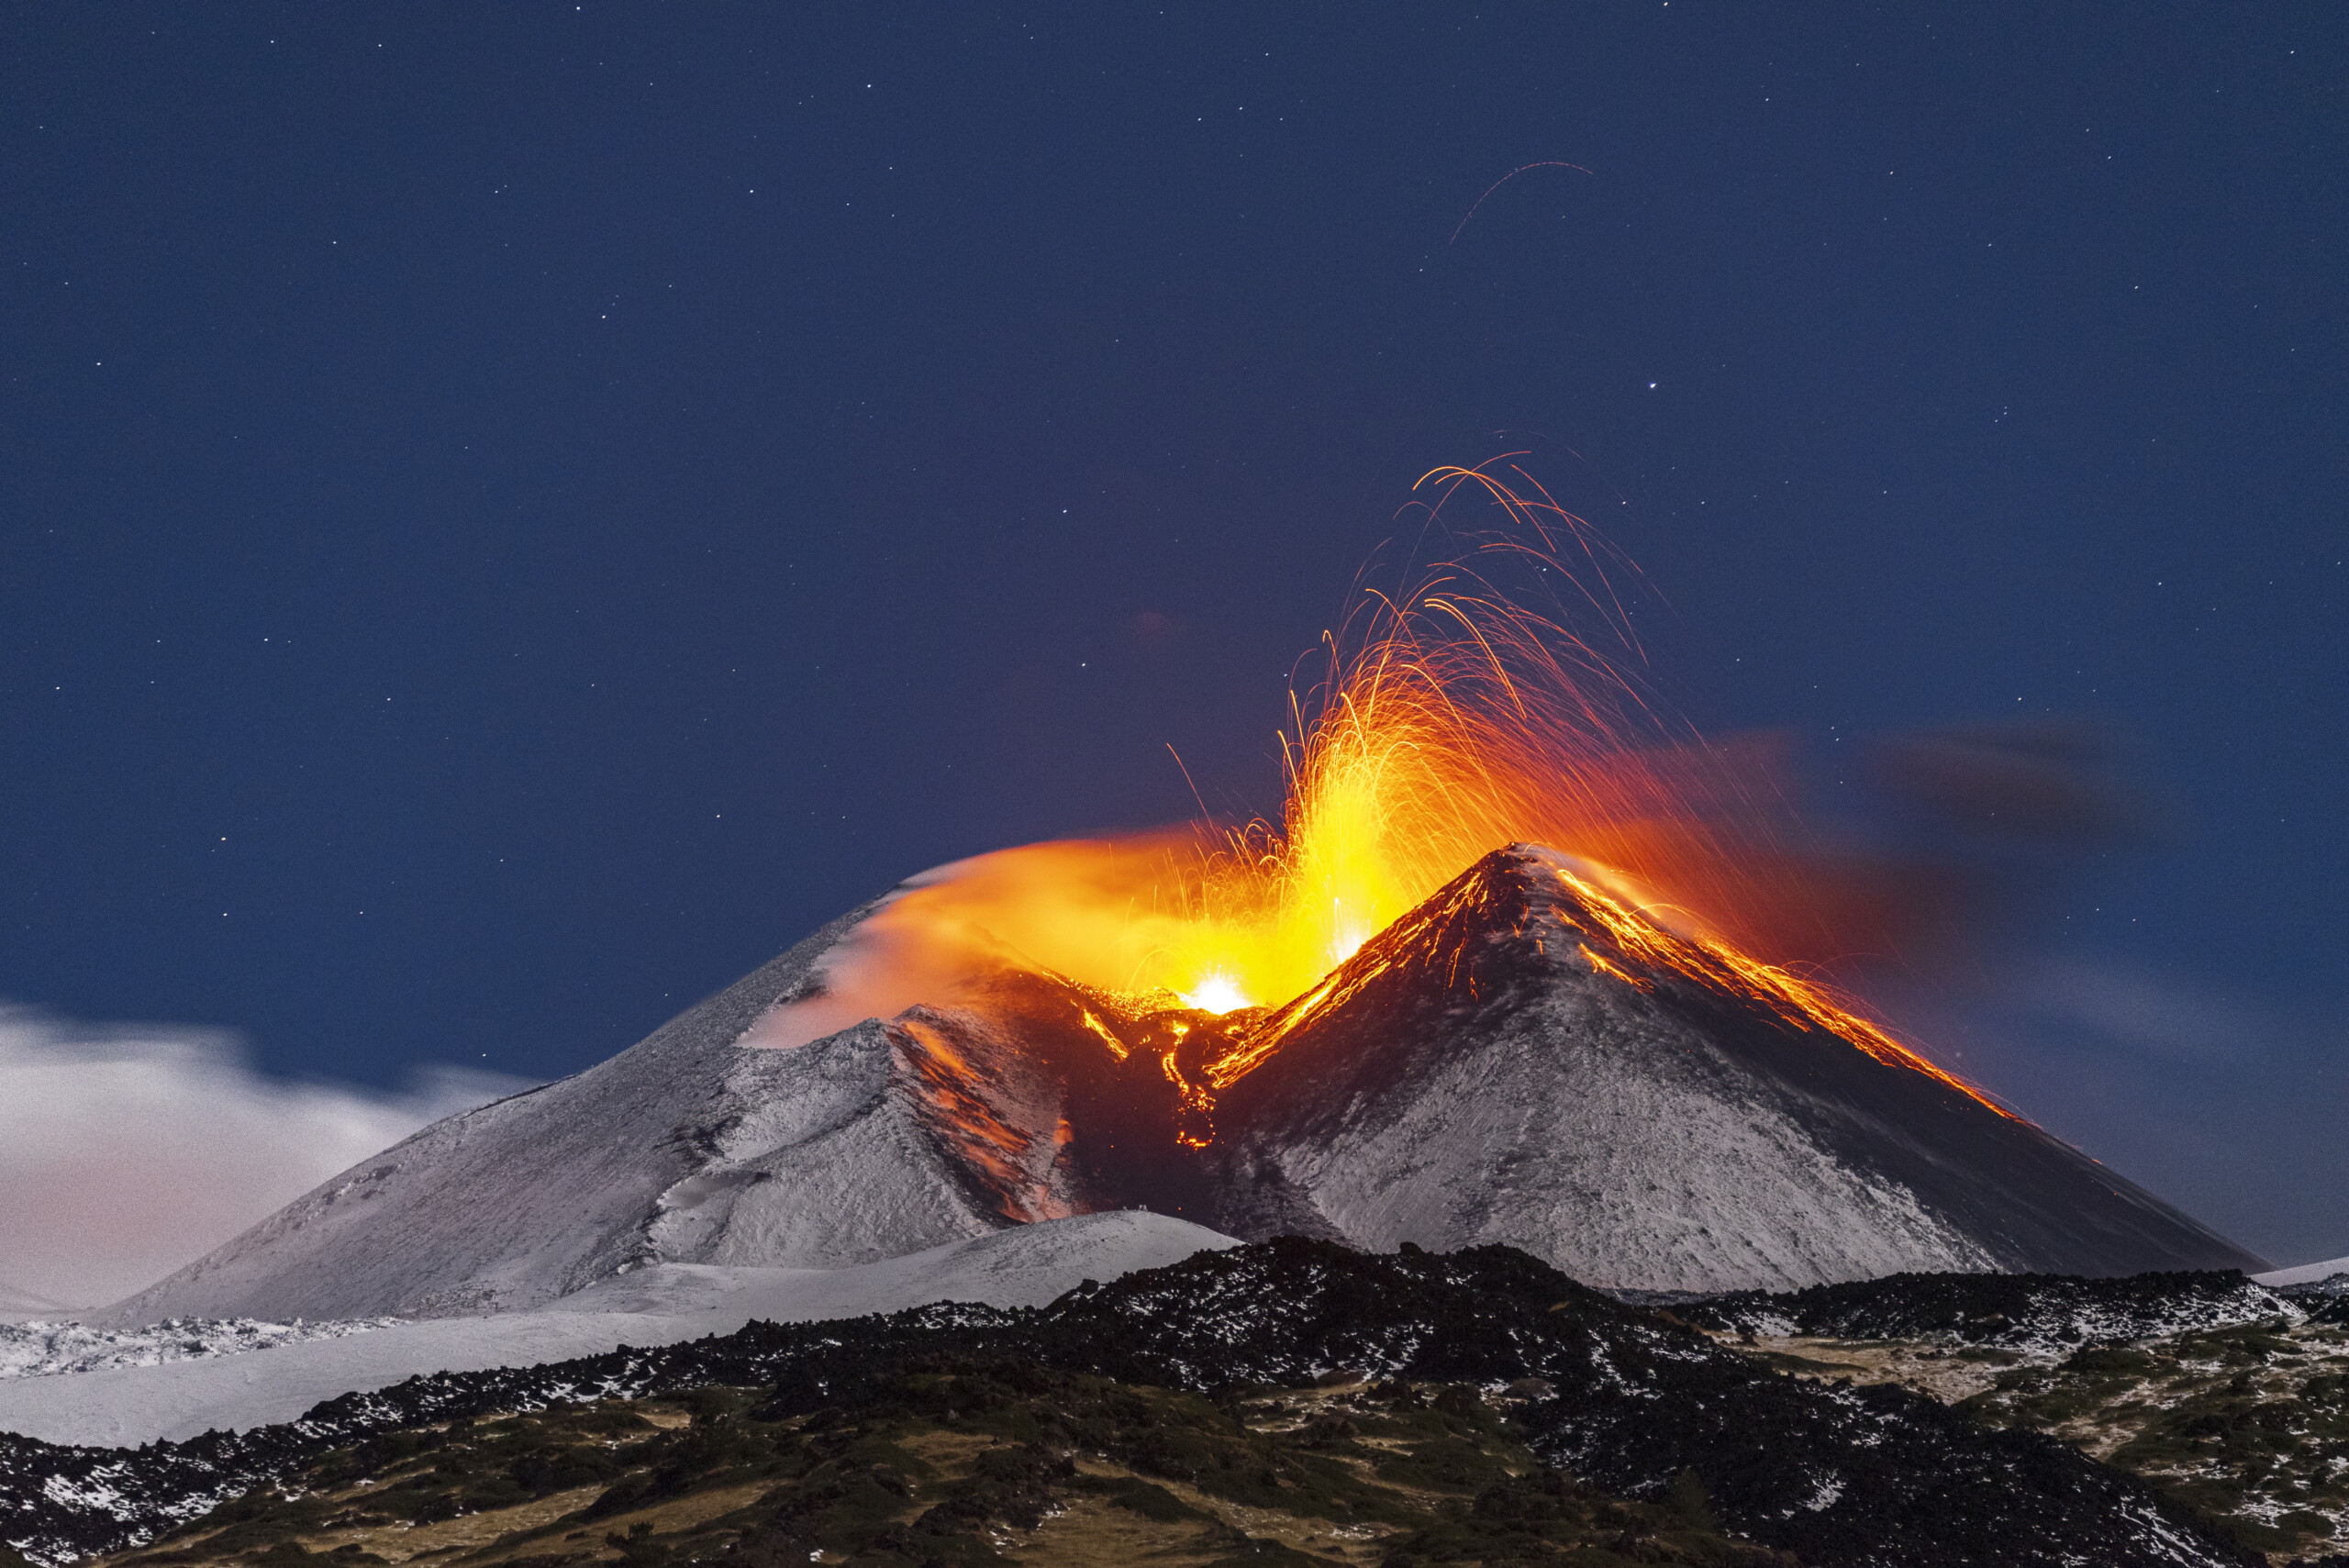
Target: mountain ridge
(1687, 1138)
(1518, 1060)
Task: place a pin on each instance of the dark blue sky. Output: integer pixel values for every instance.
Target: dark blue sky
(511, 515)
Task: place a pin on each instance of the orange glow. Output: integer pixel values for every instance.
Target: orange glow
(1216, 992)
(1601, 966)
(1453, 719)
(1804, 1004)
(1117, 1047)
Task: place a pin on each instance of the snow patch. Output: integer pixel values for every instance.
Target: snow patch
(52, 1350)
(2334, 1273)
(127, 1403)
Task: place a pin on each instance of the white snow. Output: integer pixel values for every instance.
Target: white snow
(1540, 1129)
(45, 1348)
(2306, 1274)
(662, 1303)
(684, 1149)
(1636, 1147)
(1542, 1140)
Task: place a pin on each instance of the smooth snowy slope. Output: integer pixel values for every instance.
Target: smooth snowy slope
(1026, 1266)
(21, 1305)
(2307, 1273)
(686, 1148)
(1484, 1080)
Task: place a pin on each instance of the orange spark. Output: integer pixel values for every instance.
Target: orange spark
(1456, 716)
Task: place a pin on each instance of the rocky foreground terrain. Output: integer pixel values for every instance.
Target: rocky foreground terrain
(1287, 1400)
(966, 1460)
(2231, 1398)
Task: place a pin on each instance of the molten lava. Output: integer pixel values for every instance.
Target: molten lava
(1453, 719)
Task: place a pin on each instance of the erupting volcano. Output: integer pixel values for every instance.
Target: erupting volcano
(1524, 961)
(1454, 717)
(1473, 707)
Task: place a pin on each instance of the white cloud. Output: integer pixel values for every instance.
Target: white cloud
(129, 1151)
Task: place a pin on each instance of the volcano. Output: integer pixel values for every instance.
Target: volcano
(1518, 1060)
(1507, 1064)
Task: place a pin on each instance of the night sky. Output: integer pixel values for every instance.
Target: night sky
(510, 516)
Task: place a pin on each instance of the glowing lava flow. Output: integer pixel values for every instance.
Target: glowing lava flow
(1453, 720)
(1802, 1002)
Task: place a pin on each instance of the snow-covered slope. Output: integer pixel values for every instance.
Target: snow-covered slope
(48, 1348)
(1494, 1067)
(1482, 1076)
(2308, 1274)
(664, 1304)
(687, 1147)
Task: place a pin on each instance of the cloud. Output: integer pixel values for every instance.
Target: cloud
(2158, 1015)
(129, 1151)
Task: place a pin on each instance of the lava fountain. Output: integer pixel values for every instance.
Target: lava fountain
(1455, 717)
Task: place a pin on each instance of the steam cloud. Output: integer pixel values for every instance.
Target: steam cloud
(127, 1152)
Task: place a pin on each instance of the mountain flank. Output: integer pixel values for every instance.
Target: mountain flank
(1505, 1065)
(1517, 1062)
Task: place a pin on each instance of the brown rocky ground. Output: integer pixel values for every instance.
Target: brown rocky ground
(1070, 1471)
(2248, 1423)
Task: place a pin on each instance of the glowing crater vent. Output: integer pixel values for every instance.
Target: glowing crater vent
(1485, 701)
(1216, 993)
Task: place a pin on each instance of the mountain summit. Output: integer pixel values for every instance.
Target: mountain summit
(1518, 1060)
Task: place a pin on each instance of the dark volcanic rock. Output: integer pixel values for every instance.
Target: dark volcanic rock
(2036, 1311)
(1635, 1403)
